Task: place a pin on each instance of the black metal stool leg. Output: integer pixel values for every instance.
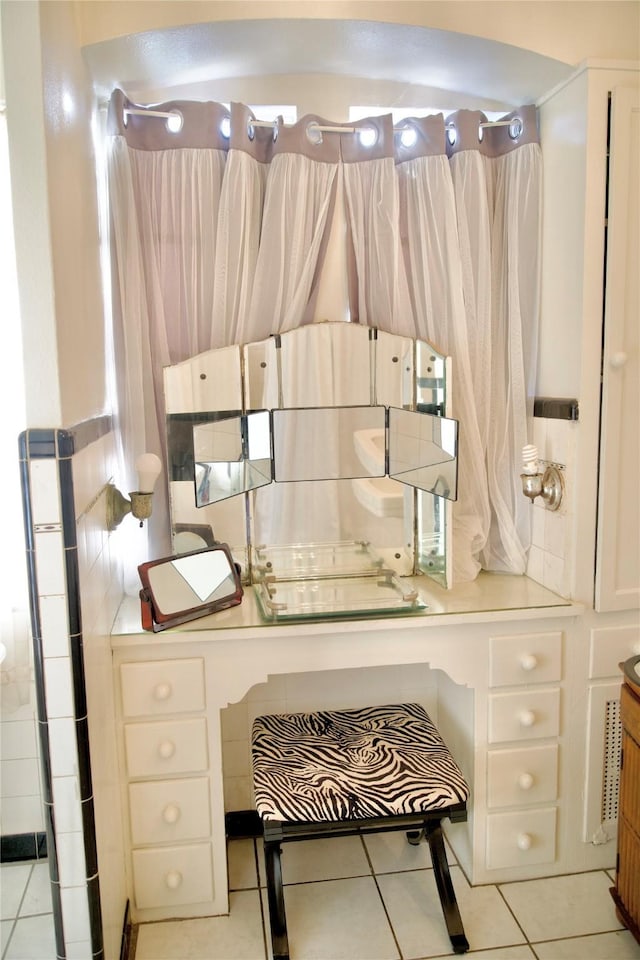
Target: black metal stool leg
(459, 942)
(275, 897)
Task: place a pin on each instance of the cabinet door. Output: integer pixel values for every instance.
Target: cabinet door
(618, 547)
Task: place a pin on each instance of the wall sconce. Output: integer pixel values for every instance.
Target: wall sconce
(547, 484)
(148, 468)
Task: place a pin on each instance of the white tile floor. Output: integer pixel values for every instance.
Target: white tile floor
(26, 921)
(349, 899)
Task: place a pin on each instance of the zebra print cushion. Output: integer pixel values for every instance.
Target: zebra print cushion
(352, 764)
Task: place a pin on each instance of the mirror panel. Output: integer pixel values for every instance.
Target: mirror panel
(394, 366)
(423, 451)
(231, 456)
(328, 365)
(328, 443)
(431, 380)
(325, 365)
(181, 588)
(208, 381)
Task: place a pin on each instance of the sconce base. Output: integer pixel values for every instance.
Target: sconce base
(552, 487)
(117, 507)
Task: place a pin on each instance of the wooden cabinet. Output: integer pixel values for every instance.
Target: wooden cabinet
(626, 893)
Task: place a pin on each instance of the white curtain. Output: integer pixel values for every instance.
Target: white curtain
(223, 241)
(497, 175)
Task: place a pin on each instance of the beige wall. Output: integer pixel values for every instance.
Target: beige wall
(568, 31)
(49, 106)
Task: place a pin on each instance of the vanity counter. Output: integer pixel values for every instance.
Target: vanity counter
(493, 648)
(490, 597)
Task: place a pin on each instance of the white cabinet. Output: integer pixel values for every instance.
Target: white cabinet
(618, 543)
(522, 762)
(166, 762)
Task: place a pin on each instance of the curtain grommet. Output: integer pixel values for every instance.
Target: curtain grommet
(175, 121)
(251, 130)
(314, 133)
(515, 128)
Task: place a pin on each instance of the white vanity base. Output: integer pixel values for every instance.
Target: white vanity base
(510, 705)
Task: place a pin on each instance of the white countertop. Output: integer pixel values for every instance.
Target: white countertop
(490, 597)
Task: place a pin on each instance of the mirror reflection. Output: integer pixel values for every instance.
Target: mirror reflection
(328, 443)
(423, 452)
(231, 456)
(335, 394)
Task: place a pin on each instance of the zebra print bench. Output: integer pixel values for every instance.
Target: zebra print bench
(356, 771)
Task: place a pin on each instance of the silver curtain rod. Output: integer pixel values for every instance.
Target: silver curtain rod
(140, 112)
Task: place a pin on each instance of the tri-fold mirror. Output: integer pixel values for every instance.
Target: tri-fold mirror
(330, 435)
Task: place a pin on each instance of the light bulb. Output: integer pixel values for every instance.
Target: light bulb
(148, 467)
(530, 459)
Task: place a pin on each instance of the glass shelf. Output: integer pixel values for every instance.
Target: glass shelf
(351, 558)
(357, 596)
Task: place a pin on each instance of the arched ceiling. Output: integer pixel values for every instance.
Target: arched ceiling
(184, 60)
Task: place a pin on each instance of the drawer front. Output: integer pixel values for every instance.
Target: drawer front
(630, 712)
(522, 776)
(169, 747)
(611, 646)
(526, 658)
(525, 715)
(521, 838)
(172, 876)
(161, 687)
(169, 811)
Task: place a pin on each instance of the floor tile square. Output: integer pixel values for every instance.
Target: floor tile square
(415, 913)
(13, 882)
(503, 953)
(336, 920)
(391, 852)
(241, 860)
(601, 946)
(334, 858)
(238, 936)
(33, 938)
(567, 906)
(37, 898)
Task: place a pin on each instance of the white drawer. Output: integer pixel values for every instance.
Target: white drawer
(525, 658)
(524, 775)
(169, 811)
(162, 686)
(521, 838)
(525, 715)
(170, 876)
(169, 747)
(611, 646)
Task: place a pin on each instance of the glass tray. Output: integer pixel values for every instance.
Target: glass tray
(318, 560)
(335, 597)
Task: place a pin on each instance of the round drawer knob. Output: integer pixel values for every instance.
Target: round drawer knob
(528, 661)
(162, 691)
(524, 841)
(167, 749)
(527, 718)
(618, 359)
(171, 813)
(173, 879)
(525, 781)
